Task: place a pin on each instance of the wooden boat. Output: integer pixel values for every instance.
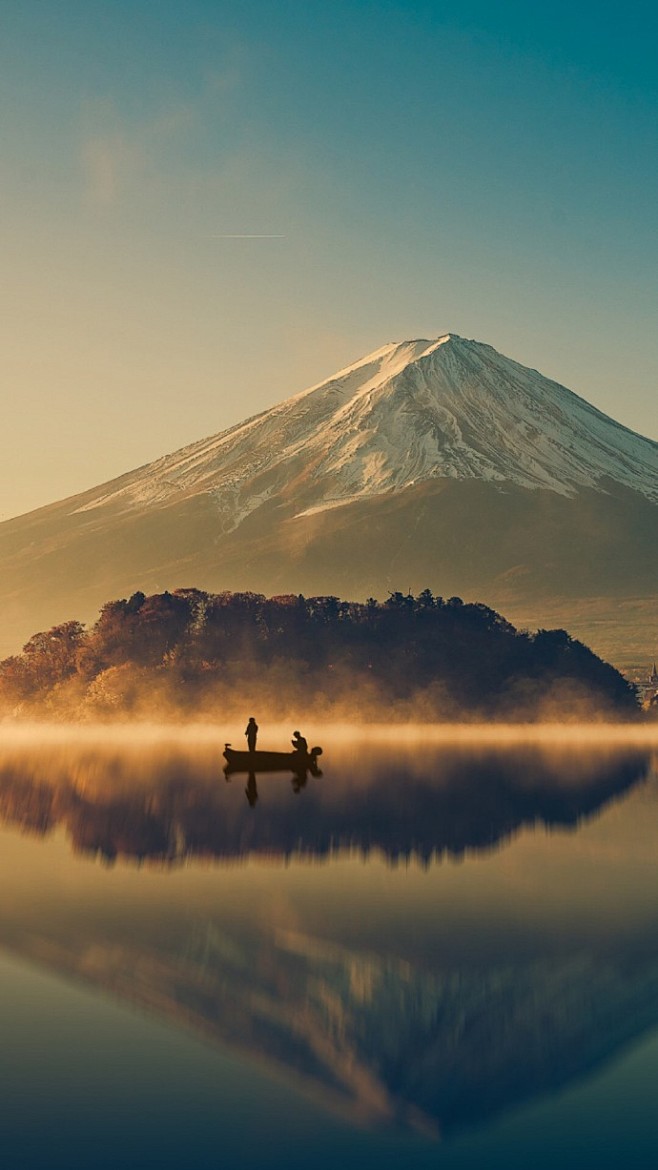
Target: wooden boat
(298, 762)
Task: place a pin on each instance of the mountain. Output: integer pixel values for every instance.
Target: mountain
(427, 463)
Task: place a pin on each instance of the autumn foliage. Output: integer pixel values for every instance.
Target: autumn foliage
(183, 653)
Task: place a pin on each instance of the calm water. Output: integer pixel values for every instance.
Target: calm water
(438, 957)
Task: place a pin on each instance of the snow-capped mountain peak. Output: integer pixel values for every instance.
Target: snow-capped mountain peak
(409, 412)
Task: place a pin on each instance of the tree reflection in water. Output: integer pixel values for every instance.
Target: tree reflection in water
(439, 1040)
(440, 803)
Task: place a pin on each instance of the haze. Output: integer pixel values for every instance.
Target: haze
(122, 736)
(404, 169)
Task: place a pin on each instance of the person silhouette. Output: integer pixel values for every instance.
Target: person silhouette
(299, 781)
(299, 743)
(251, 791)
(251, 732)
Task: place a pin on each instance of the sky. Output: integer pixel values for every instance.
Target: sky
(208, 206)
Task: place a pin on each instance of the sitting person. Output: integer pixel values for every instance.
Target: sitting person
(299, 743)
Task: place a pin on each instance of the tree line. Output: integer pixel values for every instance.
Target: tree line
(188, 649)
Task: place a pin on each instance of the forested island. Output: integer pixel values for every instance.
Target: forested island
(192, 655)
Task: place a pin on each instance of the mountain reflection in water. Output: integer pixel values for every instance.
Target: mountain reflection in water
(423, 1032)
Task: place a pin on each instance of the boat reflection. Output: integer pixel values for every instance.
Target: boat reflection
(439, 804)
(394, 1002)
(299, 765)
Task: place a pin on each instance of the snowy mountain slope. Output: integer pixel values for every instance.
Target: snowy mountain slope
(440, 464)
(409, 412)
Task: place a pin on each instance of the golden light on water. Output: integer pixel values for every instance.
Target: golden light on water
(425, 858)
(276, 735)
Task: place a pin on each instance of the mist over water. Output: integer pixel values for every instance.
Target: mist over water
(230, 728)
(435, 935)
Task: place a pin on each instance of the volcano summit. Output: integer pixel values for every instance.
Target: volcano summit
(427, 463)
(408, 413)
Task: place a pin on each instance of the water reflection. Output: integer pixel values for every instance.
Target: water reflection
(423, 806)
(393, 991)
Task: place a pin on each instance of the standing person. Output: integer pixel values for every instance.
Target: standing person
(251, 731)
(251, 791)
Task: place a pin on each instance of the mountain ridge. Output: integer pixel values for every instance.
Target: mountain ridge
(438, 464)
(408, 412)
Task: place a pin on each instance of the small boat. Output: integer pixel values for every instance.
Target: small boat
(298, 762)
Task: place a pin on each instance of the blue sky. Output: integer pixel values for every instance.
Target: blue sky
(490, 169)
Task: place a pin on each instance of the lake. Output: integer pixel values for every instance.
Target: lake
(442, 951)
